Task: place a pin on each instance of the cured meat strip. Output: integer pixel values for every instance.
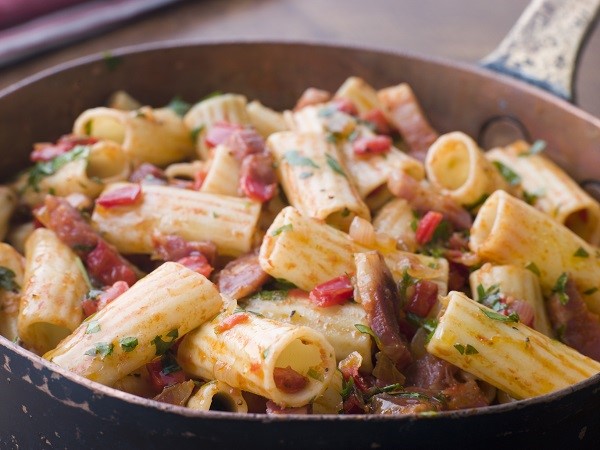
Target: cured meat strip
(574, 323)
(378, 294)
(242, 276)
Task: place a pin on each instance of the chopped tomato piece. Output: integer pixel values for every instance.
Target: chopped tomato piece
(427, 226)
(423, 298)
(258, 180)
(344, 105)
(106, 265)
(162, 376)
(219, 132)
(372, 145)
(126, 195)
(288, 380)
(198, 263)
(378, 120)
(231, 321)
(333, 292)
(91, 305)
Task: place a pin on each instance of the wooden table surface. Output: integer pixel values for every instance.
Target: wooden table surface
(461, 30)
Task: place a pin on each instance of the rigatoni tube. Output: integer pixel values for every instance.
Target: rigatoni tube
(509, 231)
(139, 324)
(288, 364)
(508, 355)
(11, 273)
(229, 222)
(337, 323)
(55, 283)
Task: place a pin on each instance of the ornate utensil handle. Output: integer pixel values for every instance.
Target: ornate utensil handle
(543, 47)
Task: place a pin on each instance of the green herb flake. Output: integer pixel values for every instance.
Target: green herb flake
(537, 147)
(266, 352)
(507, 173)
(334, 165)
(512, 317)
(590, 291)
(283, 228)
(179, 106)
(430, 326)
(560, 288)
(93, 327)
(345, 212)
(128, 343)
(533, 268)
(367, 330)
(44, 169)
(7, 280)
(161, 345)
(530, 197)
(581, 253)
(103, 349)
(305, 175)
(347, 388)
(294, 158)
(490, 296)
(270, 296)
(112, 61)
(460, 348)
(169, 366)
(315, 374)
(212, 94)
(470, 350)
(195, 133)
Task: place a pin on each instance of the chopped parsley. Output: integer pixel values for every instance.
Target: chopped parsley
(507, 173)
(281, 229)
(334, 165)
(128, 343)
(103, 349)
(163, 346)
(512, 317)
(367, 330)
(533, 268)
(581, 253)
(294, 158)
(345, 212)
(93, 327)
(305, 175)
(490, 296)
(179, 106)
(560, 288)
(468, 350)
(315, 374)
(195, 132)
(7, 280)
(44, 169)
(530, 197)
(270, 296)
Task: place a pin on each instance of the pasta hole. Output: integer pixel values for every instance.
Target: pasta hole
(222, 402)
(106, 161)
(300, 356)
(451, 169)
(107, 128)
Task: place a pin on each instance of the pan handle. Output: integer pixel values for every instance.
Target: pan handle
(543, 47)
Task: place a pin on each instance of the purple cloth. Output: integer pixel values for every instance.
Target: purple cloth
(66, 21)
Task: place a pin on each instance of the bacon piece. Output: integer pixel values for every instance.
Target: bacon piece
(288, 380)
(372, 145)
(59, 216)
(406, 115)
(170, 247)
(424, 296)
(424, 198)
(464, 395)
(245, 142)
(574, 323)
(91, 305)
(242, 276)
(378, 294)
(345, 105)
(411, 402)
(522, 308)
(123, 196)
(176, 394)
(198, 263)
(219, 132)
(274, 408)
(378, 120)
(106, 265)
(148, 173)
(333, 292)
(162, 378)
(312, 96)
(258, 180)
(46, 151)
